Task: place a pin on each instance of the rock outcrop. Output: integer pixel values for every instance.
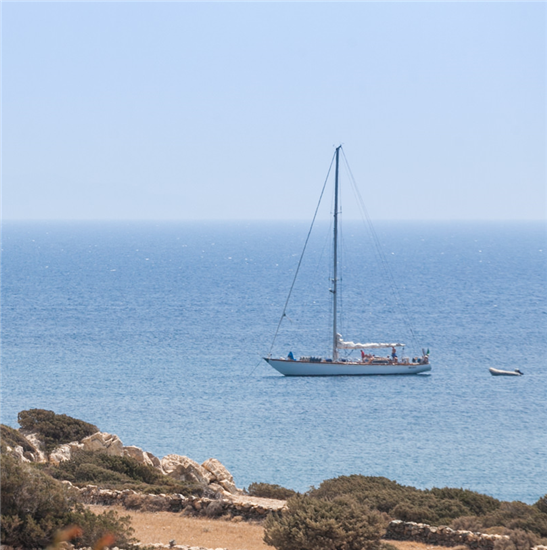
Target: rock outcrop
(212, 476)
(64, 452)
(183, 468)
(142, 456)
(39, 453)
(104, 443)
(221, 476)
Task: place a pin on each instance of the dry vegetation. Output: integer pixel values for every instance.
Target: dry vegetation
(161, 527)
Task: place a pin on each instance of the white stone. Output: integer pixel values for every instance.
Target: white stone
(154, 460)
(219, 490)
(103, 442)
(183, 468)
(39, 454)
(218, 470)
(138, 454)
(60, 454)
(18, 453)
(229, 486)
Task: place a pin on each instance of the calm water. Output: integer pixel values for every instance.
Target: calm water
(154, 332)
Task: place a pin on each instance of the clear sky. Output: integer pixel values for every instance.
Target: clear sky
(183, 111)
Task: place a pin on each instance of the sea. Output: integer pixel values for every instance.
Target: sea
(155, 331)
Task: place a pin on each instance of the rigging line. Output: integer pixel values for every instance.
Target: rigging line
(394, 288)
(256, 366)
(301, 257)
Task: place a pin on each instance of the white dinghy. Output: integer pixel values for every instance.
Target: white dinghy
(497, 372)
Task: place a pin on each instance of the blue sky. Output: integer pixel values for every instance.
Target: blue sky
(231, 110)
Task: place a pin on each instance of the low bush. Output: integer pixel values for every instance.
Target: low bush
(55, 429)
(518, 540)
(541, 504)
(117, 472)
(467, 523)
(268, 490)
(436, 506)
(518, 516)
(312, 524)
(35, 506)
(477, 503)
(460, 508)
(13, 438)
(96, 526)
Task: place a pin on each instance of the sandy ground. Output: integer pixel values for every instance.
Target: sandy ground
(161, 527)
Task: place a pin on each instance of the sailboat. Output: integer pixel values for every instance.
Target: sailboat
(368, 363)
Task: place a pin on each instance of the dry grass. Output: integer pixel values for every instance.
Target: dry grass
(153, 527)
(161, 527)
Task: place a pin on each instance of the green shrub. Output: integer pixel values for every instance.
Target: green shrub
(518, 516)
(460, 508)
(267, 490)
(312, 524)
(32, 503)
(95, 526)
(467, 523)
(91, 467)
(117, 472)
(13, 438)
(55, 429)
(435, 506)
(34, 506)
(476, 503)
(518, 540)
(541, 504)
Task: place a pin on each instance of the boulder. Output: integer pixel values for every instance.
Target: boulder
(39, 454)
(183, 468)
(218, 470)
(103, 442)
(64, 452)
(154, 460)
(18, 453)
(60, 454)
(138, 454)
(230, 486)
(74, 446)
(216, 491)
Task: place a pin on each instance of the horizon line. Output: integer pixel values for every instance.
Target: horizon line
(277, 220)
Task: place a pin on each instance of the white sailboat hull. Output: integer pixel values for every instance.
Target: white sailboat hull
(305, 368)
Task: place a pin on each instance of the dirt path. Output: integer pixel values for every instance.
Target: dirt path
(161, 527)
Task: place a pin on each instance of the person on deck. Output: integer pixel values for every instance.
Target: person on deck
(393, 353)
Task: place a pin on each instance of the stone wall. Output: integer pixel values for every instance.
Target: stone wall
(237, 508)
(441, 536)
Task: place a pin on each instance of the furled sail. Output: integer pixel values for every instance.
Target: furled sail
(340, 344)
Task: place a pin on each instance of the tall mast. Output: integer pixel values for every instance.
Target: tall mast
(335, 271)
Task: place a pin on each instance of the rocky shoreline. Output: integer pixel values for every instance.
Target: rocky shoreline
(220, 499)
(211, 475)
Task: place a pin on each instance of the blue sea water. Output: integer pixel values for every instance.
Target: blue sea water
(154, 332)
